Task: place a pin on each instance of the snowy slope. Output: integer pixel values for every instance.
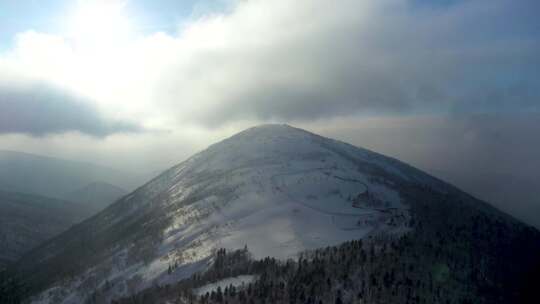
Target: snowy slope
(277, 189)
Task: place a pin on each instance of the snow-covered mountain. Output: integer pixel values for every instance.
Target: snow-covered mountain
(276, 189)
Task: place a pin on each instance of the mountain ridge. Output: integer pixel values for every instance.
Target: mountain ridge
(277, 189)
(53, 177)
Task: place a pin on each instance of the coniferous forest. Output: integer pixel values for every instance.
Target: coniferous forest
(446, 257)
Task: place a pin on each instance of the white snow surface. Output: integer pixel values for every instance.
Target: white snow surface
(277, 189)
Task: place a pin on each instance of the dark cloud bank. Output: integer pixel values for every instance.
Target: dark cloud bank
(320, 59)
(38, 109)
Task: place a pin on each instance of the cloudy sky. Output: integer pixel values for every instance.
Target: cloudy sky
(450, 86)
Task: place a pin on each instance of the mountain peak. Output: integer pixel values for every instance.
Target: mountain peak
(271, 126)
(279, 190)
(276, 190)
(272, 130)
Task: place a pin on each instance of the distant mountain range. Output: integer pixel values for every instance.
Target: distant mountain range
(53, 177)
(42, 196)
(282, 192)
(27, 220)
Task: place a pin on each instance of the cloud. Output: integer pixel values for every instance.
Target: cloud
(38, 109)
(319, 59)
(453, 81)
(303, 60)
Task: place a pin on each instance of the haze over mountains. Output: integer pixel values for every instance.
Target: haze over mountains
(96, 196)
(278, 191)
(57, 178)
(42, 196)
(27, 220)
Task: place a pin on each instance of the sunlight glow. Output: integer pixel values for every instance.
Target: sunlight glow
(99, 21)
